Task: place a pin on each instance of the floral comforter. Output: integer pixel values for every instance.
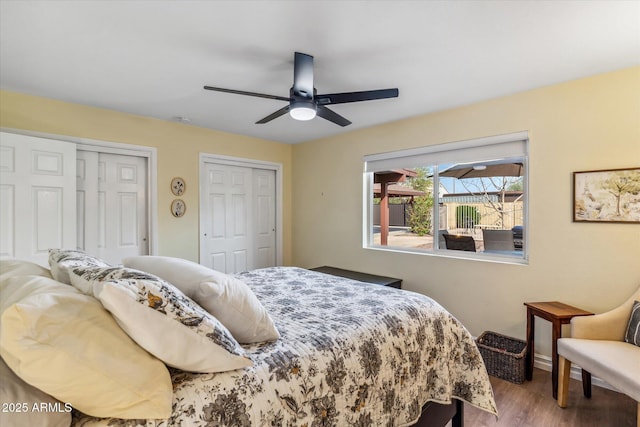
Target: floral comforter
(350, 354)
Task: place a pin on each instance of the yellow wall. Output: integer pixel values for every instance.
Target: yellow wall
(178, 148)
(587, 124)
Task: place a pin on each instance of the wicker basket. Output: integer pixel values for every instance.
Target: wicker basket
(503, 356)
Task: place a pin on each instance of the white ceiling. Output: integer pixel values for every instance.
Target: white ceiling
(152, 57)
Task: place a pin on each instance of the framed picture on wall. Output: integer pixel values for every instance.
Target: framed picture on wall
(611, 195)
(178, 187)
(178, 208)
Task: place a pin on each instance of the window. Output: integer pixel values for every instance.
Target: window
(465, 199)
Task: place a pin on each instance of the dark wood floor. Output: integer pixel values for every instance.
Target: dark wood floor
(531, 405)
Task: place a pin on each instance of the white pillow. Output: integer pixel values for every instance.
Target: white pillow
(163, 320)
(16, 267)
(67, 345)
(224, 296)
(63, 260)
(20, 398)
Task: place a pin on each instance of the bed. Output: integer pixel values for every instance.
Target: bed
(348, 353)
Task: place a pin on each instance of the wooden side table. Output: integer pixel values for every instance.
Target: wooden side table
(558, 314)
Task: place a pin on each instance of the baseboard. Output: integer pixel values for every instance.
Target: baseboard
(544, 362)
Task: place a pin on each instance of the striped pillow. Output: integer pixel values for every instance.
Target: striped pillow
(633, 330)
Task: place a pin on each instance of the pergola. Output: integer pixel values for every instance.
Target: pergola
(395, 190)
(383, 182)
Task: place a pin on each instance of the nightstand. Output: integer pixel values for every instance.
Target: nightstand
(558, 314)
(363, 277)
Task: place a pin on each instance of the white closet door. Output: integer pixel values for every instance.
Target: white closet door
(264, 217)
(87, 201)
(112, 205)
(226, 205)
(237, 217)
(37, 196)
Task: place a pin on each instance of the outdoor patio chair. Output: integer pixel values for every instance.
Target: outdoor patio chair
(518, 232)
(498, 240)
(441, 242)
(460, 243)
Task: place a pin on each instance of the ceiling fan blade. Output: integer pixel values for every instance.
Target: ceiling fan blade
(274, 115)
(332, 116)
(242, 92)
(367, 95)
(303, 75)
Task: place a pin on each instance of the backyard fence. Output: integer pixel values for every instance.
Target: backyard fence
(479, 215)
(399, 214)
(454, 215)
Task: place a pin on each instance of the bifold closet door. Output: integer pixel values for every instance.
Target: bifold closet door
(237, 218)
(37, 196)
(264, 218)
(112, 205)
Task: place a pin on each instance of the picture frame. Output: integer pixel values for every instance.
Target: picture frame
(178, 186)
(607, 195)
(178, 208)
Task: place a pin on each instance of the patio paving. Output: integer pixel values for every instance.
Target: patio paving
(406, 239)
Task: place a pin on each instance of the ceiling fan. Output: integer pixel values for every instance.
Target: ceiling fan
(304, 101)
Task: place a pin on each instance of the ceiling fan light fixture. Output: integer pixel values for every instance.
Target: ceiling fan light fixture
(302, 110)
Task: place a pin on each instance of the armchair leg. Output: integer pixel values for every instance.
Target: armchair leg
(564, 372)
(586, 384)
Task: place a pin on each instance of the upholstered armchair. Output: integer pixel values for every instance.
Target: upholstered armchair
(598, 346)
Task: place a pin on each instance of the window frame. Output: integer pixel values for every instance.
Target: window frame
(473, 150)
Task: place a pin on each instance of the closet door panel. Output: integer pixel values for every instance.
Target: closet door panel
(87, 201)
(122, 216)
(38, 192)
